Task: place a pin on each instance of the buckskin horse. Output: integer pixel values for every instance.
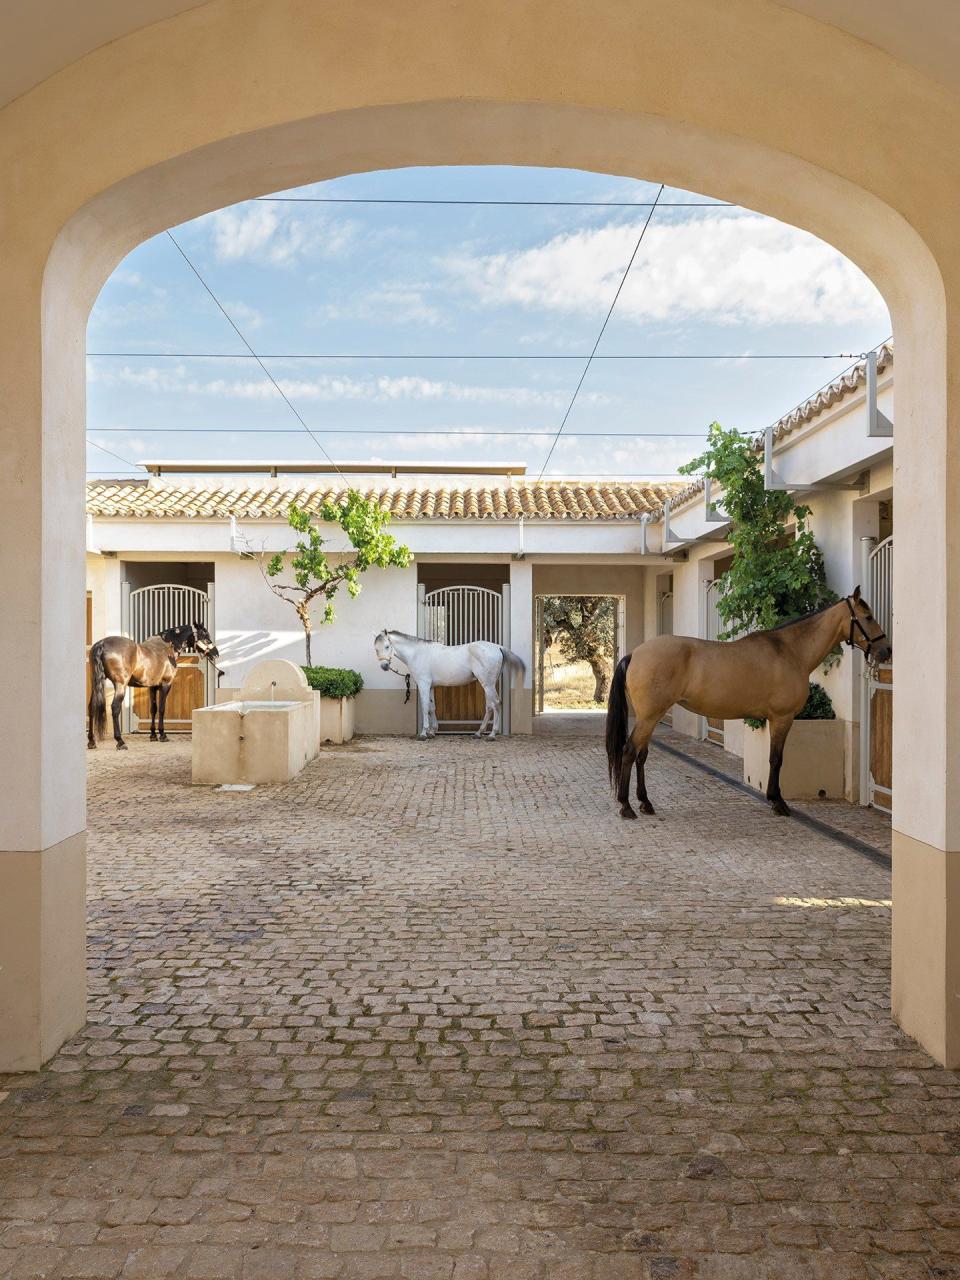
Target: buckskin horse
(151, 665)
(765, 675)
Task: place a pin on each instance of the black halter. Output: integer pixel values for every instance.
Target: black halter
(857, 625)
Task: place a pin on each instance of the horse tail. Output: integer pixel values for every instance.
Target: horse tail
(511, 659)
(98, 705)
(617, 721)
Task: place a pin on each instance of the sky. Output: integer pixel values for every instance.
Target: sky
(372, 313)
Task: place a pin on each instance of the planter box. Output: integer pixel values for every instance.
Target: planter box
(812, 760)
(255, 741)
(335, 718)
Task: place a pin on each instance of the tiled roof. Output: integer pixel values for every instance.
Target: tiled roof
(818, 403)
(544, 500)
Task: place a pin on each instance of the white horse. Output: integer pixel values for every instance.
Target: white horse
(431, 663)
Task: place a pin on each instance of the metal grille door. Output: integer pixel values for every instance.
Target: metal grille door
(460, 615)
(876, 715)
(150, 610)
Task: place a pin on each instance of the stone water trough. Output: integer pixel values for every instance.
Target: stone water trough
(267, 734)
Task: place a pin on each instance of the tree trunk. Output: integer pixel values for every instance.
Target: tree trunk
(306, 638)
(601, 679)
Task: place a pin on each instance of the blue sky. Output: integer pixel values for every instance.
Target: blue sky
(421, 281)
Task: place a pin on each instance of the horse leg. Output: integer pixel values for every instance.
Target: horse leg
(623, 788)
(425, 690)
(118, 694)
(642, 797)
(164, 690)
(434, 722)
(487, 717)
(636, 751)
(91, 739)
(493, 702)
(778, 736)
(153, 713)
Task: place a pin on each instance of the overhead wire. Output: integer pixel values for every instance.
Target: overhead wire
(229, 319)
(504, 204)
(603, 329)
(416, 355)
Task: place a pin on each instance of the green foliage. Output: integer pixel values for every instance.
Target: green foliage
(818, 706)
(334, 682)
(584, 629)
(774, 576)
(314, 575)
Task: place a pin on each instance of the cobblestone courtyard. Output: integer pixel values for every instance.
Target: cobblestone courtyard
(433, 1011)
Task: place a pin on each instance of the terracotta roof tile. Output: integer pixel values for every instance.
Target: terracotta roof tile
(535, 500)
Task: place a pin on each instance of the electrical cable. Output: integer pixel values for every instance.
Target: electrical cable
(603, 327)
(290, 405)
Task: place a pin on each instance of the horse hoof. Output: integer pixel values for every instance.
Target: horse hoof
(782, 810)
(91, 746)
(647, 807)
(163, 738)
(122, 746)
(626, 812)
(153, 737)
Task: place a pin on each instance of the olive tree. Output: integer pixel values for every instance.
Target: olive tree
(318, 577)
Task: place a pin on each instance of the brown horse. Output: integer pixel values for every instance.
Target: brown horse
(765, 676)
(151, 665)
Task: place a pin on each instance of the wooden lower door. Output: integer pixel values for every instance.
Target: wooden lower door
(881, 739)
(459, 706)
(715, 731)
(188, 691)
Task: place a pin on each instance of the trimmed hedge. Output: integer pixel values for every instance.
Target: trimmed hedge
(817, 707)
(334, 682)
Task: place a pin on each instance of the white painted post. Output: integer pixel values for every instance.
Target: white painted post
(506, 680)
(866, 547)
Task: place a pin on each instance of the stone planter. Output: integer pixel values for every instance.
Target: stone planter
(813, 764)
(335, 718)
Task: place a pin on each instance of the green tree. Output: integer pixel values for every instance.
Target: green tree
(584, 627)
(776, 575)
(315, 575)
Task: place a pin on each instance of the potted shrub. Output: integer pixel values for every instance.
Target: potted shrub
(812, 758)
(334, 691)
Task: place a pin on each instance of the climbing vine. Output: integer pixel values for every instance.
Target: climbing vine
(776, 574)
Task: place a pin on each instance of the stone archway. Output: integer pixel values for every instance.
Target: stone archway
(747, 101)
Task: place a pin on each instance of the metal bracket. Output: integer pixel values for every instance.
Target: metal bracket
(772, 481)
(711, 513)
(668, 535)
(878, 424)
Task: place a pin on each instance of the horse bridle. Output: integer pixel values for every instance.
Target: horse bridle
(406, 677)
(857, 625)
(405, 674)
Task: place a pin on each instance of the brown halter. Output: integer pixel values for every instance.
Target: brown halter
(857, 625)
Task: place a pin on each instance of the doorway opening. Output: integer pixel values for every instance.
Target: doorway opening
(580, 639)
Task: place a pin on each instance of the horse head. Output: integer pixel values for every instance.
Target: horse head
(866, 633)
(383, 647)
(203, 641)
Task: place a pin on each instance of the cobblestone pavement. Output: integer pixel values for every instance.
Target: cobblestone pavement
(434, 1011)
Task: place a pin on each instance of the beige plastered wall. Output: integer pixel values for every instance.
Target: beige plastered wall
(745, 101)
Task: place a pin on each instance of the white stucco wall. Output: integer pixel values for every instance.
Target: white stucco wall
(252, 624)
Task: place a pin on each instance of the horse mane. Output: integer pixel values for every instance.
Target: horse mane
(404, 635)
(804, 617)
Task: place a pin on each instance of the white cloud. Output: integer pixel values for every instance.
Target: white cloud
(267, 233)
(333, 387)
(246, 317)
(390, 305)
(738, 268)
